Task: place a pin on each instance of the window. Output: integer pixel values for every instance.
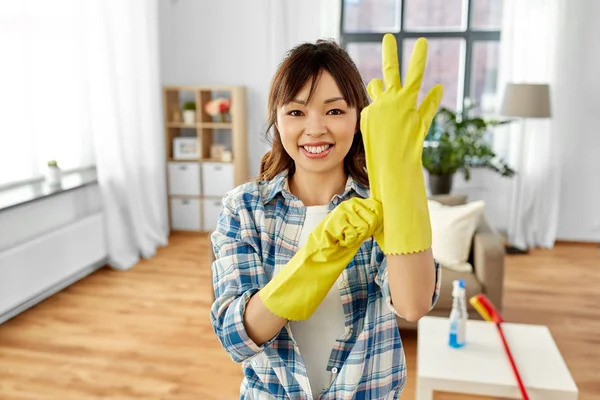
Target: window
(463, 38)
(43, 101)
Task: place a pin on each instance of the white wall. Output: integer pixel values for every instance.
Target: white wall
(241, 42)
(230, 42)
(580, 191)
(579, 216)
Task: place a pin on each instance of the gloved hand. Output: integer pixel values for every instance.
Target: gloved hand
(296, 291)
(394, 130)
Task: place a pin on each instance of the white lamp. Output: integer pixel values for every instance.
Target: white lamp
(525, 100)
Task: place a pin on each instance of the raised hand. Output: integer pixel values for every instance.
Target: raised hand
(394, 128)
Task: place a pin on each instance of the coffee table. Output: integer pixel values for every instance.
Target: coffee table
(481, 366)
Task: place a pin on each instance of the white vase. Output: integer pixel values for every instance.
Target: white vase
(189, 117)
(53, 176)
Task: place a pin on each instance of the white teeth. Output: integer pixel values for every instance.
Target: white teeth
(316, 149)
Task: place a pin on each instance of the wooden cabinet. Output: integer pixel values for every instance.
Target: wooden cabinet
(206, 154)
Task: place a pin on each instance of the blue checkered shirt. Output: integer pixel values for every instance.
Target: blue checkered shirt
(257, 233)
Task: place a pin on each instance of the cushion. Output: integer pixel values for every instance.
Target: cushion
(450, 199)
(452, 229)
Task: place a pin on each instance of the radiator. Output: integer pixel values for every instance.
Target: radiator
(36, 269)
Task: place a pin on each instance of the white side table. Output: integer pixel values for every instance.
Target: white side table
(481, 367)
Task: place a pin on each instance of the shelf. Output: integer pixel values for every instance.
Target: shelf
(205, 125)
(215, 160)
(216, 125)
(181, 125)
(210, 135)
(178, 160)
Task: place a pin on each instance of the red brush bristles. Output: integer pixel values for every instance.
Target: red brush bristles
(489, 307)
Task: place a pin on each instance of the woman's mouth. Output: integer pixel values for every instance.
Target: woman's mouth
(319, 151)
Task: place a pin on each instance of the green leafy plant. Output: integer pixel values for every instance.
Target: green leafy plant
(457, 142)
(53, 163)
(189, 105)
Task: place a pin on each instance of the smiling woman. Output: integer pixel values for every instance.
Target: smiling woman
(317, 134)
(318, 87)
(303, 296)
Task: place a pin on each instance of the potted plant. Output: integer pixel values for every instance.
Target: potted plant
(53, 173)
(189, 112)
(458, 142)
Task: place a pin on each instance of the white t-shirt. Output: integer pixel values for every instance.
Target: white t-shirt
(317, 335)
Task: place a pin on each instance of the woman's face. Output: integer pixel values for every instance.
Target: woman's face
(318, 135)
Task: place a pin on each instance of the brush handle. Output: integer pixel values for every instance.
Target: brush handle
(512, 363)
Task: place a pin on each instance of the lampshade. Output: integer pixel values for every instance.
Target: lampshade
(526, 100)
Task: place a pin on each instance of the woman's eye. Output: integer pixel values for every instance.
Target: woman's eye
(336, 111)
(295, 113)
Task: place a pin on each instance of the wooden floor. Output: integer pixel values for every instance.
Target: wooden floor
(145, 333)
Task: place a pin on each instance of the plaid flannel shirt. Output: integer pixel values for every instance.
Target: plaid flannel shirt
(257, 234)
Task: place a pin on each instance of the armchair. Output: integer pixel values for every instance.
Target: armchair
(487, 258)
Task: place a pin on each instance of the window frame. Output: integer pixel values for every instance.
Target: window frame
(469, 35)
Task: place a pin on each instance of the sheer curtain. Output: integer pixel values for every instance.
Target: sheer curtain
(531, 51)
(126, 120)
(44, 108)
(79, 83)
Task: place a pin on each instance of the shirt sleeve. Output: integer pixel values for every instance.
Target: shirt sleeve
(381, 279)
(237, 275)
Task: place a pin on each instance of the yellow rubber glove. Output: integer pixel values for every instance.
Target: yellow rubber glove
(393, 130)
(296, 291)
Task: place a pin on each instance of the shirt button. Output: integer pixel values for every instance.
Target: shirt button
(344, 284)
(334, 370)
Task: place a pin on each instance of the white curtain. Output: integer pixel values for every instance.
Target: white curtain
(44, 112)
(126, 121)
(79, 83)
(292, 22)
(531, 51)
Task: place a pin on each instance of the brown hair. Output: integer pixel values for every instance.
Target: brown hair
(302, 64)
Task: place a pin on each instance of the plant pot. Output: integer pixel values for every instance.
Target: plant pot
(440, 184)
(189, 117)
(53, 176)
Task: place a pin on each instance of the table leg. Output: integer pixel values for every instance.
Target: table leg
(423, 392)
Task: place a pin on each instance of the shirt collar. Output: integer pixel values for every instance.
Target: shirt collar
(280, 184)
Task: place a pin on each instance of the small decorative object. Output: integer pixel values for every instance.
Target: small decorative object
(216, 151)
(226, 156)
(53, 173)
(218, 108)
(189, 113)
(457, 142)
(186, 148)
(177, 116)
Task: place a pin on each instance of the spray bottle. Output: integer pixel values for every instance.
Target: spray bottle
(458, 315)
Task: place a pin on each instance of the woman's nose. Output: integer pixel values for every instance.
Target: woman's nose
(315, 125)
